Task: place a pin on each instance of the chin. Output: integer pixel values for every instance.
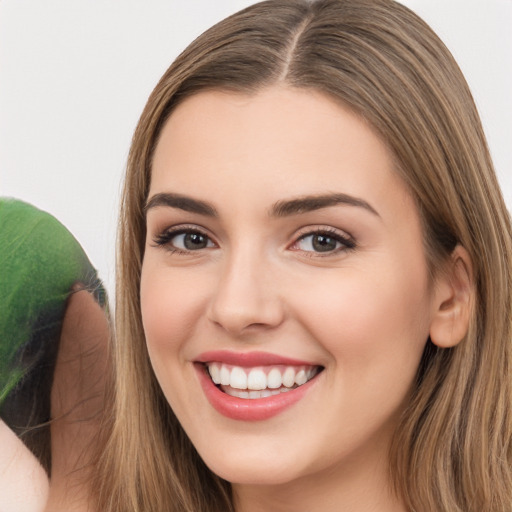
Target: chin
(254, 474)
(260, 466)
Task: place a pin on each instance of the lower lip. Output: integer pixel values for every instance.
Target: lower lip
(249, 409)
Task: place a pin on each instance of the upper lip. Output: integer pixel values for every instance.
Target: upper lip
(249, 359)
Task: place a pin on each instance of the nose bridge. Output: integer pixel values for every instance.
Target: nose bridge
(245, 295)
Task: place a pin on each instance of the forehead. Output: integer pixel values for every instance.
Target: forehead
(280, 140)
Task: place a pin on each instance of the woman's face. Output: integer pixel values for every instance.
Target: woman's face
(283, 260)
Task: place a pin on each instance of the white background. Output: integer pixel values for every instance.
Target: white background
(75, 75)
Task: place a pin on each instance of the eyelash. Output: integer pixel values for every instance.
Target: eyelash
(347, 243)
(165, 237)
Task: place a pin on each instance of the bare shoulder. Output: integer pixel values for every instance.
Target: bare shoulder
(24, 486)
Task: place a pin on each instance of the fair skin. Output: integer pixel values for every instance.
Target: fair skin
(24, 485)
(338, 284)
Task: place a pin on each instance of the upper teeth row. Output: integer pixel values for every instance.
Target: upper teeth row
(260, 378)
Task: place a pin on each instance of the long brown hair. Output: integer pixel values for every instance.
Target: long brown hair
(452, 448)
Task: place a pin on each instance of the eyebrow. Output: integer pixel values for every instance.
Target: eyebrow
(312, 203)
(282, 208)
(181, 202)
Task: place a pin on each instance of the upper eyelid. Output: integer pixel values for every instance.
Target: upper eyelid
(180, 228)
(319, 229)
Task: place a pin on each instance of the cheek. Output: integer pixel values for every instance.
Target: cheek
(367, 316)
(171, 303)
(171, 306)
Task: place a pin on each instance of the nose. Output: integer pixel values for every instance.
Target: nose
(246, 298)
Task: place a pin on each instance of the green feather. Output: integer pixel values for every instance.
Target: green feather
(40, 261)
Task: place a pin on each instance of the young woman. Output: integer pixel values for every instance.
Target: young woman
(314, 304)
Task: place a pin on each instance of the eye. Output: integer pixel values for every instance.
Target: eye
(184, 240)
(323, 241)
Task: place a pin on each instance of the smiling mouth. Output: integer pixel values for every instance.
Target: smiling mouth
(260, 381)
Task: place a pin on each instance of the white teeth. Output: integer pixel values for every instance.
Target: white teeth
(238, 378)
(215, 373)
(301, 378)
(289, 377)
(260, 381)
(257, 379)
(274, 380)
(225, 375)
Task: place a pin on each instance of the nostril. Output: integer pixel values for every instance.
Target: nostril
(242, 320)
(243, 300)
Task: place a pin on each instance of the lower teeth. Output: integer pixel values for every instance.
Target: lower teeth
(252, 394)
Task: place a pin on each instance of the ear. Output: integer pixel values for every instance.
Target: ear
(453, 300)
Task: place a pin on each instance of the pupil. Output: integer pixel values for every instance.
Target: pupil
(194, 241)
(322, 243)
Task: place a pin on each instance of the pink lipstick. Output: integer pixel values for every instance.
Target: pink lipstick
(253, 386)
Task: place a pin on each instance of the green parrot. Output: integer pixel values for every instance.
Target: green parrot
(41, 263)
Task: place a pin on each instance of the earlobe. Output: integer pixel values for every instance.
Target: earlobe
(453, 300)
